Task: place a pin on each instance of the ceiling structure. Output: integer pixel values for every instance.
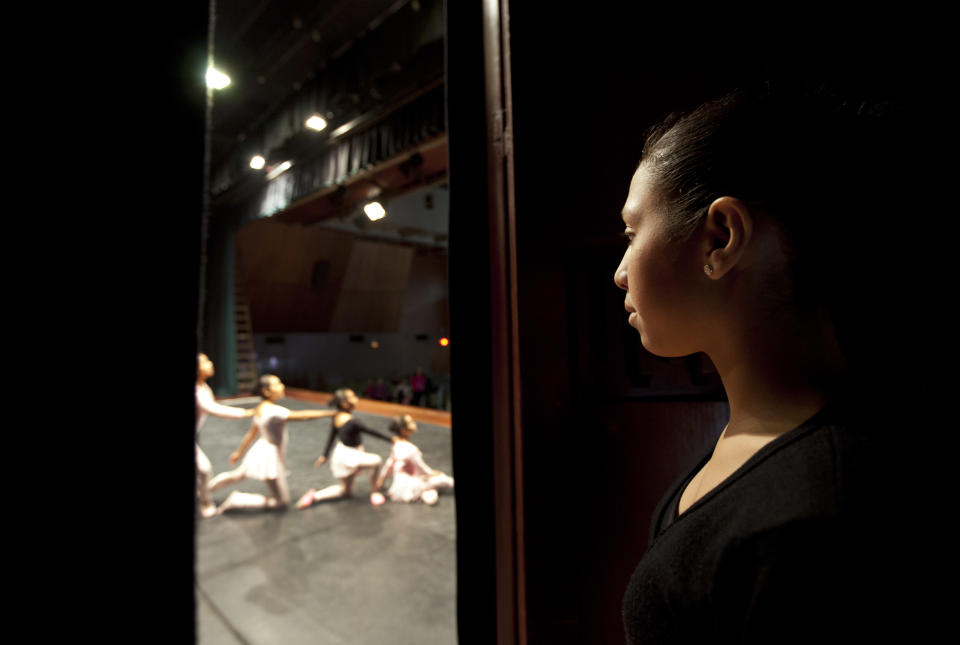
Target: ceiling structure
(361, 60)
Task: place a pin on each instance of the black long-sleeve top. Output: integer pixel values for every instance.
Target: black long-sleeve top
(804, 543)
(349, 434)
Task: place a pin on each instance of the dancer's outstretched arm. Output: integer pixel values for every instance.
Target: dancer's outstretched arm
(304, 415)
(209, 405)
(244, 444)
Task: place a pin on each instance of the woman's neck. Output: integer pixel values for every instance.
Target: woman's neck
(779, 373)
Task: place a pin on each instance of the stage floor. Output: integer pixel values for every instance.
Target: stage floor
(341, 572)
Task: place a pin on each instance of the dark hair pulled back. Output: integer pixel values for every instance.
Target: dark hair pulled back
(815, 161)
(339, 399)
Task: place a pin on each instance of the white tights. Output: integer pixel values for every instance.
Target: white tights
(279, 496)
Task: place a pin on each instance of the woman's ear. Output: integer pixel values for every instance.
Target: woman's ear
(726, 233)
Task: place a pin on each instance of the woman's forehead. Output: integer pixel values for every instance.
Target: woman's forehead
(641, 197)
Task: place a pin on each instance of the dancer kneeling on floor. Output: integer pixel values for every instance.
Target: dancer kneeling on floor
(266, 460)
(413, 479)
(349, 457)
(207, 405)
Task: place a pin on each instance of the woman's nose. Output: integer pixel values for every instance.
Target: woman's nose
(620, 277)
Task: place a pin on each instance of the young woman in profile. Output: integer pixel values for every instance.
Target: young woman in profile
(349, 456)
(413, 480)
(747, 219)
(206, 405)
(266, 460)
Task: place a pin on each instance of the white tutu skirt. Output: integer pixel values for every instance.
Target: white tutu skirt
(264, 461)
(409, 488)
(345, 461)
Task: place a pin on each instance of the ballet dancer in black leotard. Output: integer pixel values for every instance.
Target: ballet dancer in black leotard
(349, 457)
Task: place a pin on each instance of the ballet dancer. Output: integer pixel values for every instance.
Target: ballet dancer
(206, 405)
(413, 479)
(349, 457)
(266, 460)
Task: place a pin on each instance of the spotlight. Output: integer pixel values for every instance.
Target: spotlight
(316, 122)
(444, 342)
(217, 79)
(257, 162)
(374, 211)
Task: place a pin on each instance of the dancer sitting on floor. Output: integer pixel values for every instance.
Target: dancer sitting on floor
(349, 457)
(413, 479)
(206, 405)
(266, 460)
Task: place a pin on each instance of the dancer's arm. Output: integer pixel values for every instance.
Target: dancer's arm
(207, 403)
(326, 451)
(303, 415)
(375, 433)
(247, 440)
(382, 477)
(418, 461)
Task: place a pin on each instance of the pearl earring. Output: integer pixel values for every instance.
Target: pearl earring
(708, 269)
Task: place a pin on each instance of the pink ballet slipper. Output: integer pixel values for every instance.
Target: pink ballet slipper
(307, 498)
(377, 499)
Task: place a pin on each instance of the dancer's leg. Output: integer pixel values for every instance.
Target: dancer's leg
(237, 500)
(279, 492)
(434, 483)
(225, 479)
(279, 498)
(336, 491)
(207, 508)
(441, 481)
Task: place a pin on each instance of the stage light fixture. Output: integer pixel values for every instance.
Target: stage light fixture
(216, 79)
(374, 211)
(444, 342)
(316, 122)
(257, 162)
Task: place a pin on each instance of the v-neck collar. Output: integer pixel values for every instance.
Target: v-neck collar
(670, 514)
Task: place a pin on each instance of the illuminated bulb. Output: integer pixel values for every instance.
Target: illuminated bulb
(374, 344)
(444, 341)
(257, 162)
(217, 79)
(374, 211)
(316, 122)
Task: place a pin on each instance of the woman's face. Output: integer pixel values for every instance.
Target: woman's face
(350, 399)
(409, 425)
(660, 275)
(275, 389)
(204, 366)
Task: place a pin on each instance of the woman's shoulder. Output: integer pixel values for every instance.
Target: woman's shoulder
(270, 410)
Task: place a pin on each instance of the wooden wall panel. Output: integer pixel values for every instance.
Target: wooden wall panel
(374, 287)
(427, 304)
(275, 263)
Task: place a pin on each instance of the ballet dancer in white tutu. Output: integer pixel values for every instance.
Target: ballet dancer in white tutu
(349, 457)
(207, 405)
(413, 479)
(266, 460)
